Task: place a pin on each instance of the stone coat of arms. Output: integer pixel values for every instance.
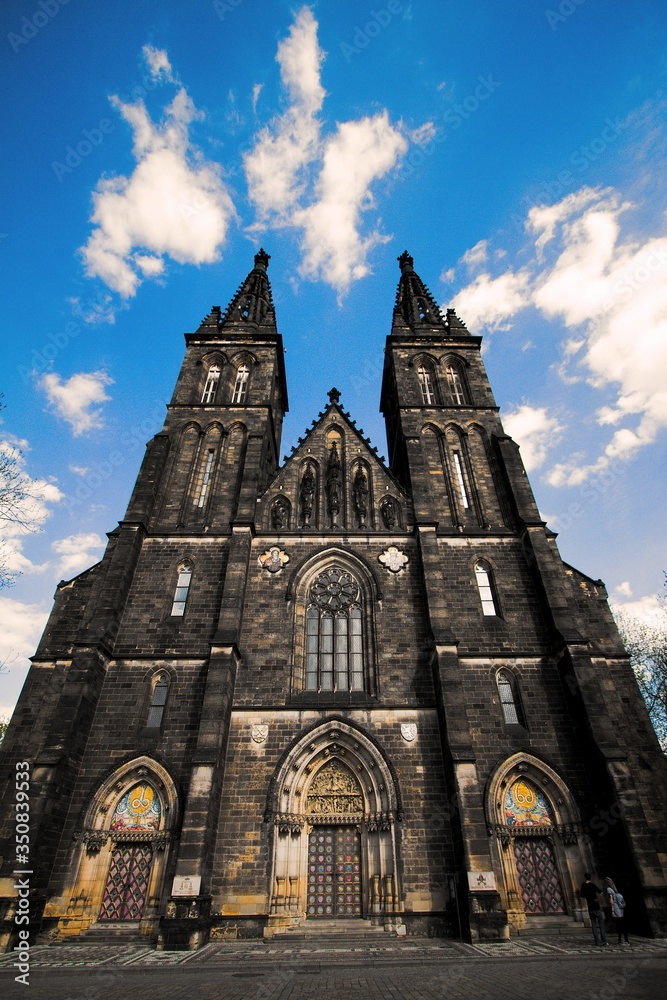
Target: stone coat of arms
(409, 731)
(259, 732)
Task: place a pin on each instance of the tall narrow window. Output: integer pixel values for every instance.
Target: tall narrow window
(212, 380)
(486, 590)
(158, 702)
(461, 481)
(509, 698)
(181, 592)
(426, 385)
(206, 478)
(334, 641)
(455, 383)
(241, 384)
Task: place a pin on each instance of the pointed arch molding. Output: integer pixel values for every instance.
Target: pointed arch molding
(336, 739)
(98, 813)
(308, 568)
(567, 823)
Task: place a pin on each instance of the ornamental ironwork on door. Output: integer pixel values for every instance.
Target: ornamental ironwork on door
(127, 882)
(538, 875)
(334, 872)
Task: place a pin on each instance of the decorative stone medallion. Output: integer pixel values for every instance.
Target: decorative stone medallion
(393, 559)
(273, 559)
(409, 731)
(259, 732)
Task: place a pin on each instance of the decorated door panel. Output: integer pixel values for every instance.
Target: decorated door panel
(127, 882)
(538, 875)
(334, 872)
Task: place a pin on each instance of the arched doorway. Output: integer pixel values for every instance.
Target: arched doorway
(118, 867)
(539, 855)
(334, 806)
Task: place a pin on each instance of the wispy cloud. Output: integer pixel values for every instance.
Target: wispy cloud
(610, 293)
(78, 399)
(27, 503)
(535, 430)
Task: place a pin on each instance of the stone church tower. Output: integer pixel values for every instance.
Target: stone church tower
(331, 689)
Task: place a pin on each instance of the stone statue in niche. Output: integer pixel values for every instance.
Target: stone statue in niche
(333, 485)
(360, 494)
(280, 514)
(307, 494)
(388, 512)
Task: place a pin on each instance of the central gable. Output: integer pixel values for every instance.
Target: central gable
(334, 480)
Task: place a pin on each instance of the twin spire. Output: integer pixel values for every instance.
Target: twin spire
(415, 311)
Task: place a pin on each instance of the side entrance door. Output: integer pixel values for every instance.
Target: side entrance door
(334, 872)
(538, 875)
(127, 882)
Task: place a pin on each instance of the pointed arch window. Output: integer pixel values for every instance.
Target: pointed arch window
(334, 639)
(241, 384)
(211, 386)
(426, 385)
(455, 383)
(182, 589)
(510, 701)
(487, 590)
(158, 702)
(458, 466)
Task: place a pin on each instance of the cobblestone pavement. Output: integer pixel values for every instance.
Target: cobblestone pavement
(566, 967)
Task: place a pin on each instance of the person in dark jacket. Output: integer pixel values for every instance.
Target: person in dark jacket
(591, 893)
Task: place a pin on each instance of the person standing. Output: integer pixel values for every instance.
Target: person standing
(617, 903)
(591, 893)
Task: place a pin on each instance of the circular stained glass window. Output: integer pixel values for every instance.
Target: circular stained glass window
(334, 589)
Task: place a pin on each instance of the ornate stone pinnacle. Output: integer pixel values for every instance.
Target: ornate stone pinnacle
(334, 395)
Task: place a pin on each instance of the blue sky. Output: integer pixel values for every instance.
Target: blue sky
(516, 150)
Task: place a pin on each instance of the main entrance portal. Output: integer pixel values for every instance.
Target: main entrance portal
(334, 872)
(127, 882)
(538, 875)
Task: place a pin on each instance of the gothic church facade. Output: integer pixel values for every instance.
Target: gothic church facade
(331, 689)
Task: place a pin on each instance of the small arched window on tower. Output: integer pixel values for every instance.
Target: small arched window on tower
(487, 590)
(181, 592)
(510, 701)
(426, 385)
(211, 386)
(334, 646)
(455, 383)
(158, 702)
(241, 384)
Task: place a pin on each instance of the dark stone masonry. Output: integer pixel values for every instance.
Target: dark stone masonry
(331, 689)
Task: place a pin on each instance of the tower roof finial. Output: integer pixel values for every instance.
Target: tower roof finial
(334, 395)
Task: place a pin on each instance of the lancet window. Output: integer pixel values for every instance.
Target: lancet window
(241, 384)
(181, 592)
(211, 386)
(510, 702)
(455, 383)
(487, 590)
(426, 385)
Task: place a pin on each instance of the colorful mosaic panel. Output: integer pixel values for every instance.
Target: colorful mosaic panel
(139, 809)
(526, 805)
(334, 872)
(127, 882)
(538, 875)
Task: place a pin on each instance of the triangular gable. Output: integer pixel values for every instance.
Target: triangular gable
(334, 479)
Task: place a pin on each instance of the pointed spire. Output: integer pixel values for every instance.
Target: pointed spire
(212, 321)
(415, 308)
(253, 301)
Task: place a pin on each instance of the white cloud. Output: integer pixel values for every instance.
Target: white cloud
(359, 152)
(256, 91)
(79, 470)
(158, 63)
(647, 609)
(489, 302)
(476, 255)
(535, 431)
(275, 166)
(448, 275)
(320, 185)
(610, 293)
(77, 552)
(623, 589)
(74, 399)
(173, 204)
